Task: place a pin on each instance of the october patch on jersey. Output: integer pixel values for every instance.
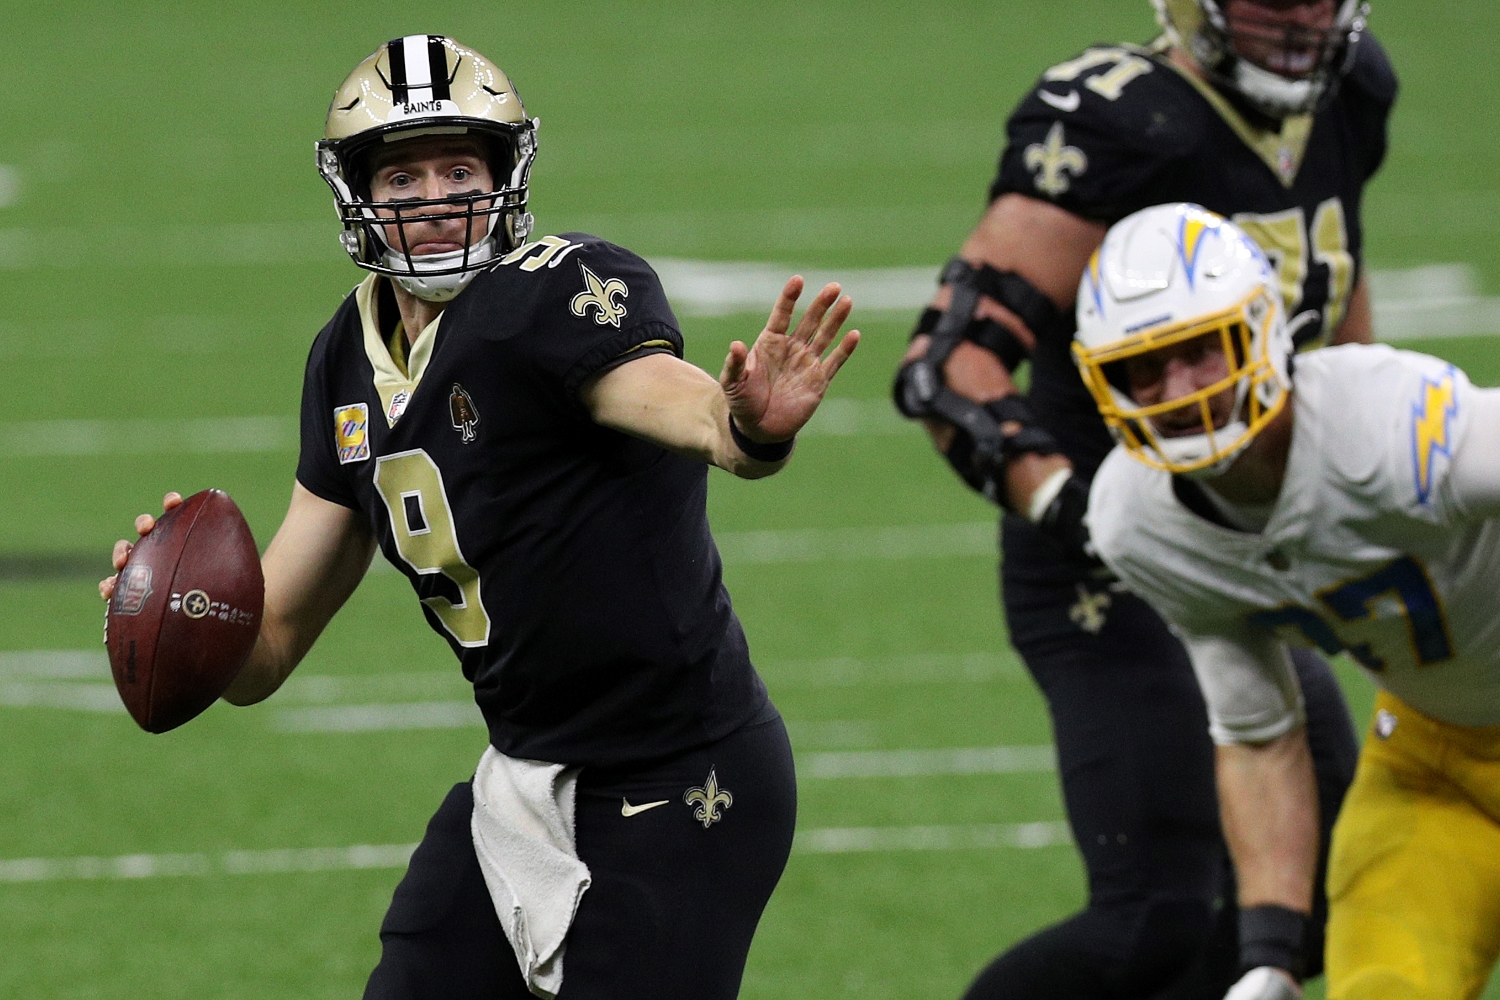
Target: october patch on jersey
(351, 432)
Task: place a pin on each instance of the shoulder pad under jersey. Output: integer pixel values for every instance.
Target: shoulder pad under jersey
(1097, 131)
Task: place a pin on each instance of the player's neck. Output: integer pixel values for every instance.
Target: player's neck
(1255, 477)
(416, 314)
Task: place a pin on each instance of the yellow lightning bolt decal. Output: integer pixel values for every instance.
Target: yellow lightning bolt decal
(1195, 225)
(1431, 417)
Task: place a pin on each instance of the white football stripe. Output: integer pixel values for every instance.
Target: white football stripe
(364, 857)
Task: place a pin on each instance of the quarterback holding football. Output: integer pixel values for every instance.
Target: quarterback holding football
(507, 417)
(1347, 499)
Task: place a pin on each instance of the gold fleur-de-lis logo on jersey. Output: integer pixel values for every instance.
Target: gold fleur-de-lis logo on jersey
(1053, 160)
(1088, 613)
(600, 295)
(708, 799)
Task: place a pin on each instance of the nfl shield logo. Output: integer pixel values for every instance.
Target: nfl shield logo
(132, 589)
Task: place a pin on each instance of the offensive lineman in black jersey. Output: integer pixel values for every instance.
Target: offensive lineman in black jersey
(1272, 112)
(512, 424)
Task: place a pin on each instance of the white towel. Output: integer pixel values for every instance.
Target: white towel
(523, 835)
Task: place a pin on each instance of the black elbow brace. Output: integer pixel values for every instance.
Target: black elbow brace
(980, 449)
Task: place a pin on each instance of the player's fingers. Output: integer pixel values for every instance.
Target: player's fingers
(781, 313)
(171, 500)
(119, 554)
(144, 523)
(832, 323)
(840, 354)
(734, 365)
(107, 587)
(816, 309)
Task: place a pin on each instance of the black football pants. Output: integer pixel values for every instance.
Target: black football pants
(1137, 770)
(672, 907)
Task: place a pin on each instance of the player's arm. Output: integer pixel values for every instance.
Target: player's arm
(1044, 249)
(319, 555)
(744, 421)
(1358, 326)
(1473, 481)
(1268, 801)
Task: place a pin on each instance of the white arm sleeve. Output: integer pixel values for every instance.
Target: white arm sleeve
(1474, 478)
(1249, 684)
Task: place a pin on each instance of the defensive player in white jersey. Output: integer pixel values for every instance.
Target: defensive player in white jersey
(1348, 499)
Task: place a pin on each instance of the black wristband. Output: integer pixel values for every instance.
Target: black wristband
(773, 451)
(1272, 935)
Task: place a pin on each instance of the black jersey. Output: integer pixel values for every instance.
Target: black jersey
(1120, 128)
(569, 566)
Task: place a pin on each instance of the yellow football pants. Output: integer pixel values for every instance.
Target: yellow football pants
(1414, 879)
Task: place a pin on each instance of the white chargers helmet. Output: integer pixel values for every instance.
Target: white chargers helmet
(1163, 276)
(1308, 62)
(424, 85)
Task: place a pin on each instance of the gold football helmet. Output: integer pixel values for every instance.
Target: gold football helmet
(1201, 28)
(424, 85)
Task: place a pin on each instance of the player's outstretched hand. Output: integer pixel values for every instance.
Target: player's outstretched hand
(143, 526)
(1265, 983)
(775, 386)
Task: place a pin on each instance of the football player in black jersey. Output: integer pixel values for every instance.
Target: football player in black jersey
(511, 423)
(1271, 112)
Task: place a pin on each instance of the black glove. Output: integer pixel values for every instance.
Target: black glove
(1063, 520)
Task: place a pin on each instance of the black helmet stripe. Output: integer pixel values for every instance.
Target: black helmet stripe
(419, 69)
(437, 67)
(395, 51)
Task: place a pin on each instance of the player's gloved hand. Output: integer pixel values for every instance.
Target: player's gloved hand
(1059, 507)
(1265, 983)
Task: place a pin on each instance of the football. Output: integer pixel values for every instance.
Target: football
(185, 612)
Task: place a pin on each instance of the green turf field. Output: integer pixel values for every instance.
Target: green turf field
(167, 252)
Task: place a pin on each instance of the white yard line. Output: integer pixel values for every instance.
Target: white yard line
(379, 718)
(79, 680)
(10, 185)
(843, 840)
(893, 671)
(924, 763)
(1430, 301)
(907, 541)
(363, 857)
(205, 436)
(838, 417)
(137, 866)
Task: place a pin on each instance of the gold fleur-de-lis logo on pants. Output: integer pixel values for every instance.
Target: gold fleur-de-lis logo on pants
(600, 295)
(708, 799)
(1088, 613)
(1053, 160)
